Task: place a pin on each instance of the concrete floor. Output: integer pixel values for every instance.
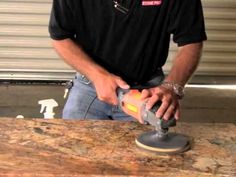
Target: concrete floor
(199, 104)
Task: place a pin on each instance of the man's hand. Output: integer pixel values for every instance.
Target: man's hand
(170, 103)
(184, 64)
(106, 85)
(104, 82)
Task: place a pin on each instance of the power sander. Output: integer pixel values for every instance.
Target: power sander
(159, 140)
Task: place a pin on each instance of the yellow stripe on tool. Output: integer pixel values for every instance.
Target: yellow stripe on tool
(131, 107)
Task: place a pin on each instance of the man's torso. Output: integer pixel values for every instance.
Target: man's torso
(132, 45)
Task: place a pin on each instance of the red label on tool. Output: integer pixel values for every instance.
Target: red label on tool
(151, 2)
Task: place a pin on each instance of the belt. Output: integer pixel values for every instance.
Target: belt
(153, 82)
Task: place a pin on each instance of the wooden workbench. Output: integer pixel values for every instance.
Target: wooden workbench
(107, 148)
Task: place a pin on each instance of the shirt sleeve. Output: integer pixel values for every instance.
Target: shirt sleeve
(187, 22)
(61, 20)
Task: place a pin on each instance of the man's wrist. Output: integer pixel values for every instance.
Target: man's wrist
(174, 87)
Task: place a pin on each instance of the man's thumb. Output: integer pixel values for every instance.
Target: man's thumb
(122, 84)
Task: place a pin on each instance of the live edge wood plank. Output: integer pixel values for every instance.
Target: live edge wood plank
(38, 147)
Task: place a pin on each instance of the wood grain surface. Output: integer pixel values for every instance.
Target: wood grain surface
(38, 147)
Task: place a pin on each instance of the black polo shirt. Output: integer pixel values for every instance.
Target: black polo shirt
(134, 44)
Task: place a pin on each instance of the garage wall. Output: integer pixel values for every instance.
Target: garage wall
(25, 48)
(219, 56)
(26, 52)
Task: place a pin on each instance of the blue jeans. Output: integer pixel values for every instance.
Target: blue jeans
(82, 103)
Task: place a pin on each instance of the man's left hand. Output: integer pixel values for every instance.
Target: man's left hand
(170, 103)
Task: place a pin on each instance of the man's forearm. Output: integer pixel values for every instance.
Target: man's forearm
(74, 55)
(185, 63)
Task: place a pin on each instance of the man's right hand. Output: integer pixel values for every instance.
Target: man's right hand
(106, 85)
(104, 82)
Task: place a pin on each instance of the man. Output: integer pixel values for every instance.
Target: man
(124, 44)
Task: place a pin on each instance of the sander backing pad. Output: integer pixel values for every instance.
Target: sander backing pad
(172, 143)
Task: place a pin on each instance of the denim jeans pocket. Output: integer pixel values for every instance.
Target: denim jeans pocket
(82, 79)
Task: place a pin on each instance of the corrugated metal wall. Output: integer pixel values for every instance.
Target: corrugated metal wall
(25, 48)
(26, 52)
(219, 56)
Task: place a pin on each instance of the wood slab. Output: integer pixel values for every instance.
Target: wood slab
(38, 147)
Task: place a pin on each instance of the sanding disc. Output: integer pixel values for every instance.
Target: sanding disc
(171, 144)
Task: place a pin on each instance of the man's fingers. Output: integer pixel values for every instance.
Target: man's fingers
(169, 112)
(109, 98)
(114, 99)
(177, 112)
(145, 94)
(162, 109)
(151, 101)
(121, 83)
